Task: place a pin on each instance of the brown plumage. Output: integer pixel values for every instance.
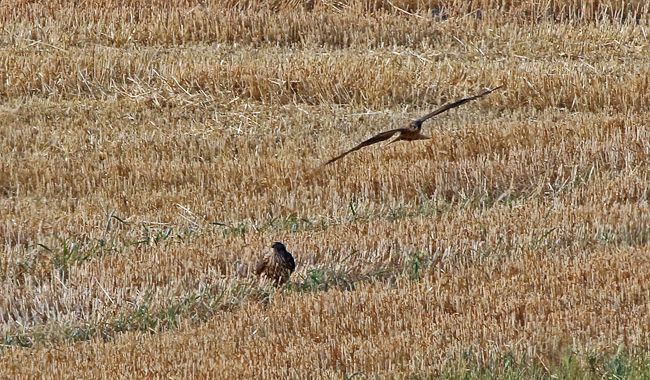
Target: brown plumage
(277, 266)
(411, 131)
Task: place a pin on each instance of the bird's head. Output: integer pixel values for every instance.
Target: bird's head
(416, 124)
(278, 246)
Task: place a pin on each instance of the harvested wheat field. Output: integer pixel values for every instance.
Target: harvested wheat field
(151, 151)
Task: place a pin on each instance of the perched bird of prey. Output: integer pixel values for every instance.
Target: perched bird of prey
(411, 131)
(277, 266)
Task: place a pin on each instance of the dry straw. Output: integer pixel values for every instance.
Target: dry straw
(150, 151)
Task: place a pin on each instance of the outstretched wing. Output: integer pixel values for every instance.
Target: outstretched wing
(455, 104)
(388, 134)
(373, 140)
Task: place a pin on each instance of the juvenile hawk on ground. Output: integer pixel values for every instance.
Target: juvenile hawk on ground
(276, 266)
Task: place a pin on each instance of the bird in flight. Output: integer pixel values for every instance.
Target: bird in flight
(412, 131)
(277, 266)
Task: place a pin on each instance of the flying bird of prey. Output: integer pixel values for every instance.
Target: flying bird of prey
(411, 131)
(277, 266)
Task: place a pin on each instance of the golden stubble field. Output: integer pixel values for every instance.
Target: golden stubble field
(151, 150)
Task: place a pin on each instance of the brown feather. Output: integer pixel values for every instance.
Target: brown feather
(455, 104)
(373, 140)
(276, 266)
(411, 131)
